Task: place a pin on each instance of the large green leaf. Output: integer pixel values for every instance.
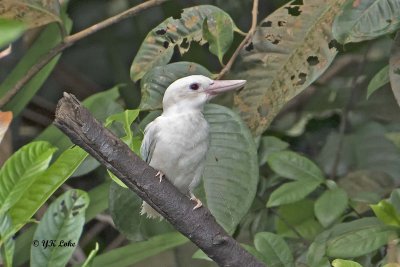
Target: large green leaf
(10, 31)
(274, 249)
(33, 13)
(356, 238)
(135, 252)
(158, 46)
(366, 20)
(231, 173)
(330, 205)
(394, 66)
(98, 203)
(292, 192)
(45, 185)
(292, 165)
(156, 81)
(62, 224)
(290, 49)
(50, 37)
(21, 170)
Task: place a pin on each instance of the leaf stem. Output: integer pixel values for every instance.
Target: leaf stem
(71, 40)
(246, 39)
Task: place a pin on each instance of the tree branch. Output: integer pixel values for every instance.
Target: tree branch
(69, 41)
(246, 39)
(197, 225)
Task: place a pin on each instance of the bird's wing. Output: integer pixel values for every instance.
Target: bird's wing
(149, 142)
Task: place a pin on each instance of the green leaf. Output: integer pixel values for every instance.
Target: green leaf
(394, 137)
(10, 30)
(379, 80)
(89, 261)
(156, 81)
(126, 118)
(218, 32)
(7, 247)
(298, 216)
(62, 224)
(158, 46)
(33, 13)
(98, 203)
(231, 173)
(357, 238)
(387, 213)
(316, 254)
(135, 252)
(290, 49)
(21, 170)
(345, 263)
(49, 37)
(292, 192)
(330, 206)
(274, 248)
(291, 165)
(45, 185)
(367, 20)
(268, 145)
(394, 65)
(132, 224)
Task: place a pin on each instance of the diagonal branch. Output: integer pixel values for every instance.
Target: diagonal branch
(197, 225)
(69, 41)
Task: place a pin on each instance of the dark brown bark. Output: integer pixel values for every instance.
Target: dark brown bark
(197, 225)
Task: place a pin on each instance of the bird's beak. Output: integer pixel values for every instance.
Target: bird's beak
(221, 86)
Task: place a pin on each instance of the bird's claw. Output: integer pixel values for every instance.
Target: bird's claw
(160, 175)
(198, 202)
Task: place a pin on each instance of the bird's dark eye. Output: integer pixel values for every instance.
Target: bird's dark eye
(194, 86)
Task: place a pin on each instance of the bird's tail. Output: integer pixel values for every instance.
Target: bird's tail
(150, 212)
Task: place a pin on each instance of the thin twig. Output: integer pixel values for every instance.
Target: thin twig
(69, 41)
(248, 37)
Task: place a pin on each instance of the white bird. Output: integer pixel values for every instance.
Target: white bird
(176, 143)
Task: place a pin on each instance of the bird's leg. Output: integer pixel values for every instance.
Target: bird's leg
(195, 199)
(161, 175)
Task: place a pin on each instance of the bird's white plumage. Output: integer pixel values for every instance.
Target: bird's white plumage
(176, 143)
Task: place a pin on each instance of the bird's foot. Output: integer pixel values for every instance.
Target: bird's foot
(160, 175)
(198, 201)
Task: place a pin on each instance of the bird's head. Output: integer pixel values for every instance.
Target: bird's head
(192, 92)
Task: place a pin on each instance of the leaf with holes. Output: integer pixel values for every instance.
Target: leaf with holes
(33, 13)
(367, 20)
(159, 44)
(231, 174)
(394, 67)
(156, 81)
(219, 34)
(62, 224)
(289, 50)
